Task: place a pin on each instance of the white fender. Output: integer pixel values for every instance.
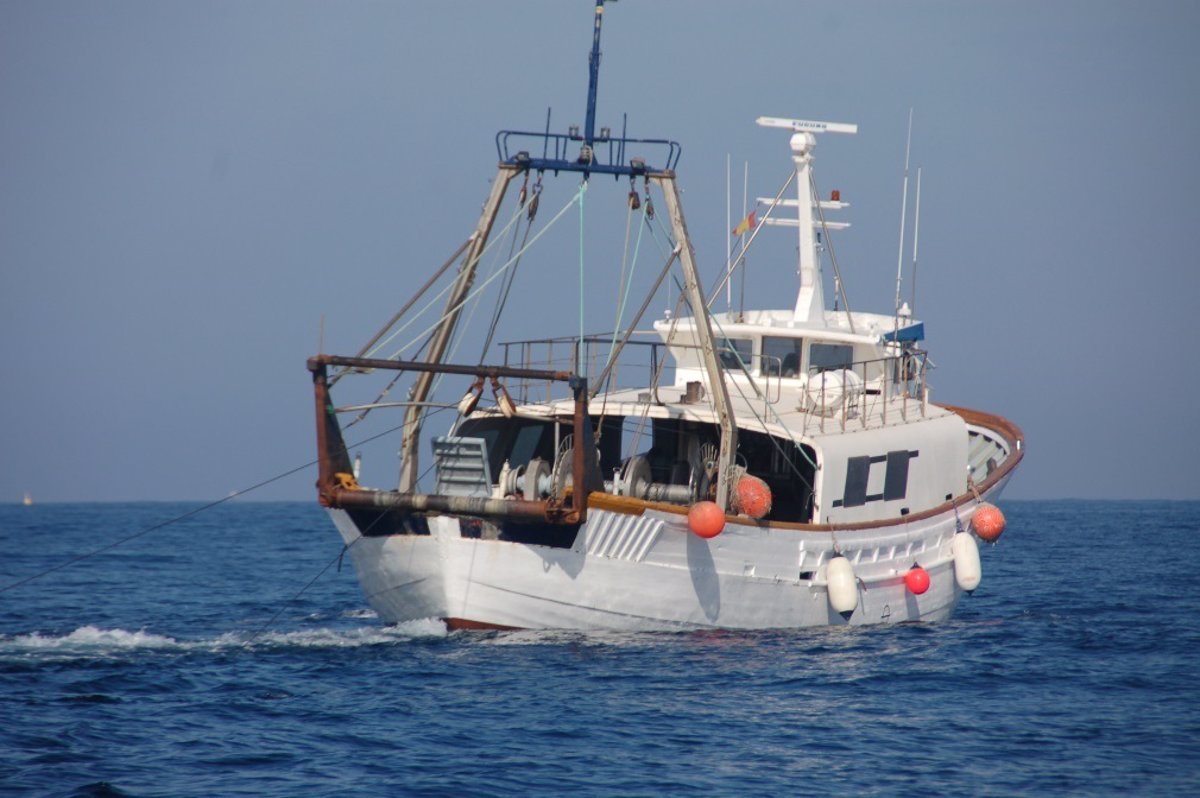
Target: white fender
(967, 570)
(842, 586)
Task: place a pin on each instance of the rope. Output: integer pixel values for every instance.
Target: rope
(974, 489)
(577, 198)
(837, 273)
(626, 283)
(579, 354)
(495, 239)
(502, 299)
(787, 458)
(645, 413)
(154, 528)
(311, 582)
(386, 390)
(610, 370)
(404, 309)
(778, 420)
(716, 289)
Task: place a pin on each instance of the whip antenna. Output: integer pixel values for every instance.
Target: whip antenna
(903, 209)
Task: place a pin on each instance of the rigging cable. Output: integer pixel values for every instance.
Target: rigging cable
(437, 380)
(442, 293)
(154, 528)
(774, 414)
(716, 290)
(311, 582)
(502, 299)
(610, 366)
(420, 292)
(428, 340)
(654, 382)
(671, 335)
(579, 352)
(577, 198)
(837, 273)
(627, 280)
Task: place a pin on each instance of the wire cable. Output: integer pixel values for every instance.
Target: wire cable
(190, 513)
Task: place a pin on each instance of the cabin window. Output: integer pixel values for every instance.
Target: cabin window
(733, 350)
(827, 357)
(787, 468)
(781, 356)
(525, 443)
(516, 440)
(519, 440)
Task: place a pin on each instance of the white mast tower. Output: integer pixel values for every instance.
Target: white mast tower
(810, 302)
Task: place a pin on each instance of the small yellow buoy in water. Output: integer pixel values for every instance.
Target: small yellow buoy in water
(842, 586)
(988, 522)
(706, 519)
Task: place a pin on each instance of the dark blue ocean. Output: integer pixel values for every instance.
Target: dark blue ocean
(226, 655)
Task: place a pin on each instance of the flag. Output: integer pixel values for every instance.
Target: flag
(746, 225)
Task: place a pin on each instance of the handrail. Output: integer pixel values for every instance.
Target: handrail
(556, 158)
(589, 363)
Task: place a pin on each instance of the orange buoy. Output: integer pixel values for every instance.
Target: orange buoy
(752, 497)
(706, 519)
(916, 580)
(988, 522)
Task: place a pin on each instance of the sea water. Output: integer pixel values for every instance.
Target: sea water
(227, 654)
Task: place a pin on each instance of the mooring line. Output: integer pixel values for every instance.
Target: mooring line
(311, 582)
(338, 559)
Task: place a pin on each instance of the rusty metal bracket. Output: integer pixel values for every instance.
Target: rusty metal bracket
(333, 457)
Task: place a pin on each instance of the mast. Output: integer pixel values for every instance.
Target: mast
(810, 300)
(589, 125)
(703, 326)
(609, 159)
(903, 210)
(912, 304)
(410, 439)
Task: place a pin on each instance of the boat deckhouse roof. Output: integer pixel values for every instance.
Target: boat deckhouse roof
(859, 328)
(783, 416)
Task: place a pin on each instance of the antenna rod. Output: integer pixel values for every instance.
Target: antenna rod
(728, 241)
(912, 305)
(745, 199)
(903, 209)
(589, 126)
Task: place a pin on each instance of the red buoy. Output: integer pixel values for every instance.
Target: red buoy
(916, 580)
(706, 519)
(988, 522)
(752, 497)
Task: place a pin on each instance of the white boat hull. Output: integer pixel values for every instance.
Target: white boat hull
(649, 572)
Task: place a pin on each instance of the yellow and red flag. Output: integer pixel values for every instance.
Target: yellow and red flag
(746, 225)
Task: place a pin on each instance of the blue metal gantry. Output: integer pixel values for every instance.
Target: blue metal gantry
(583, 151)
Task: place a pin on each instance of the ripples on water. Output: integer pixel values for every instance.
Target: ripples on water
(165, 667)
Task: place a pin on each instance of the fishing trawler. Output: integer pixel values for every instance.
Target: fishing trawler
(772, 468)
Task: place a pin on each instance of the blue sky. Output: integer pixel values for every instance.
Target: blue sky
(187, 189)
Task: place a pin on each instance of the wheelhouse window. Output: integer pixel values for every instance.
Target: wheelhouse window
(828, 357)
(733, 350)
(516, 440)
(781, 356)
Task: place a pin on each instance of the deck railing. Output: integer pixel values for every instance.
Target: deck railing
(885, 385)
(565, 353)
(881, 388)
